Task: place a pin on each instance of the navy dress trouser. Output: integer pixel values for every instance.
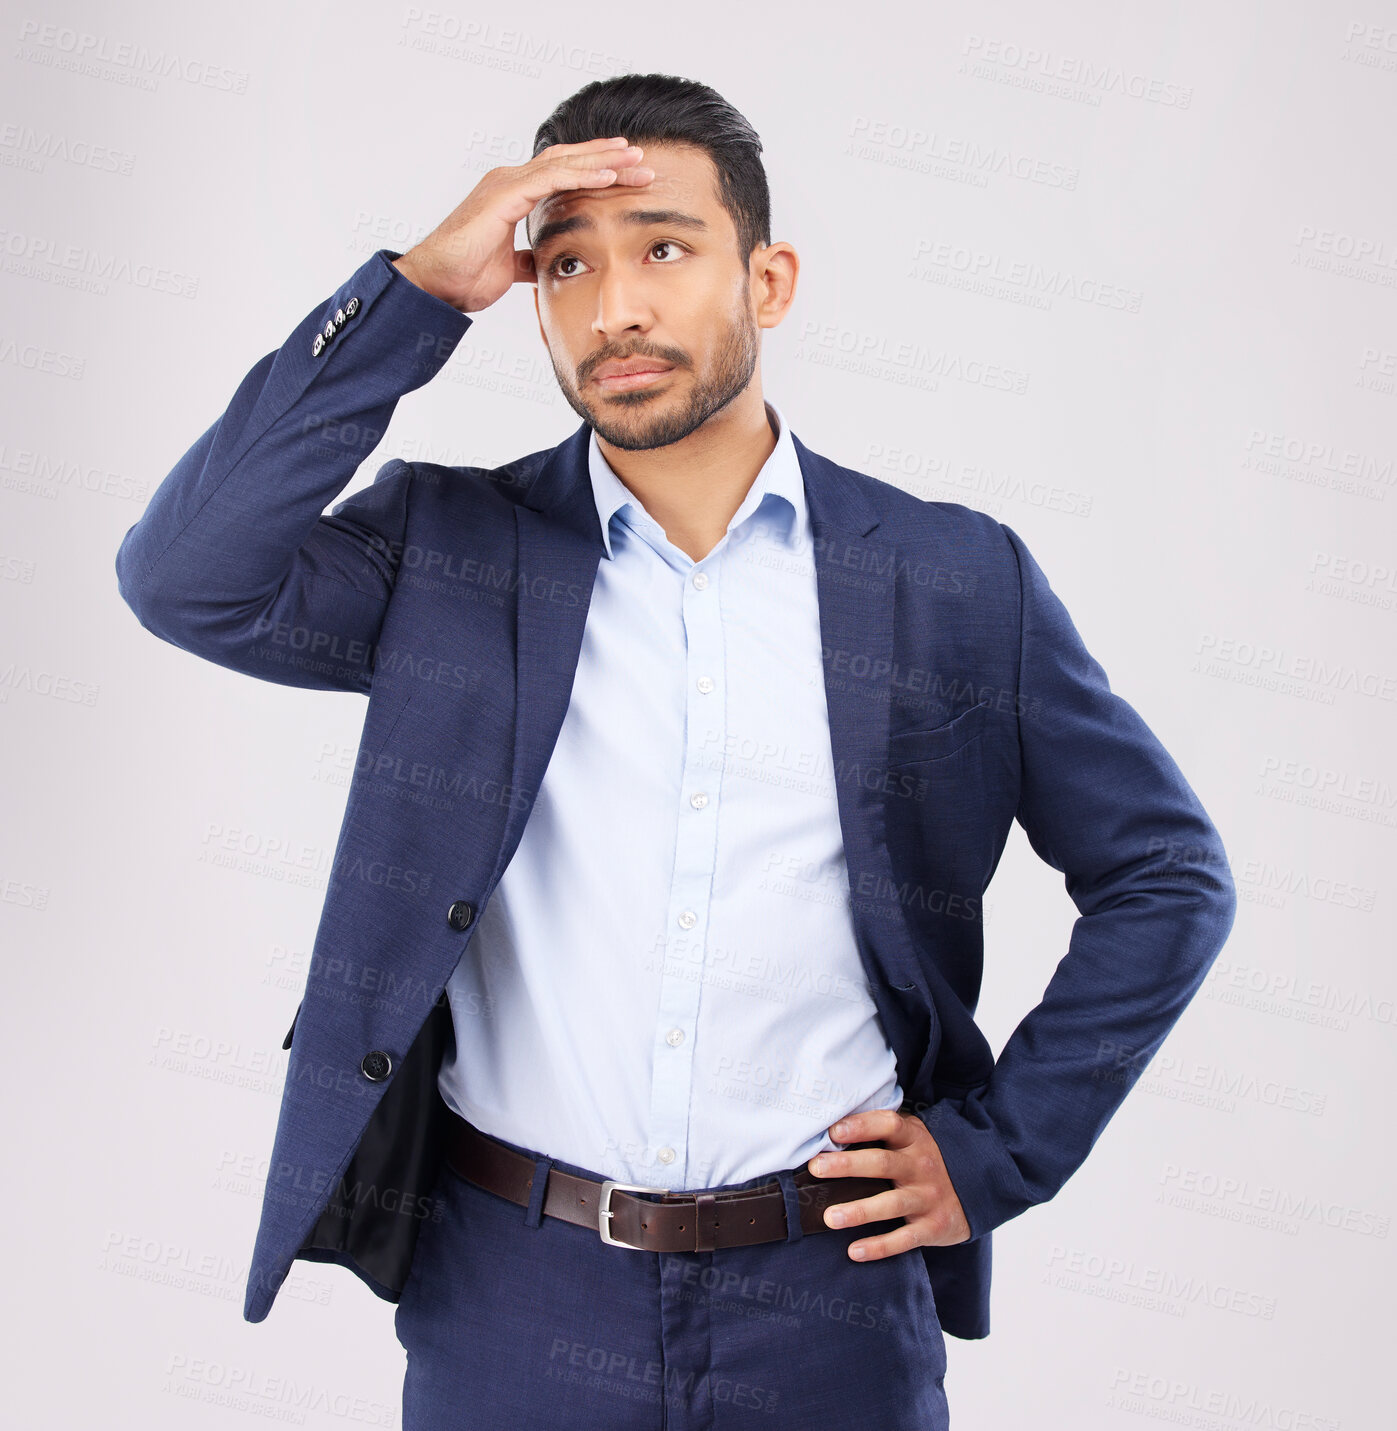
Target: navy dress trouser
(511, 1319)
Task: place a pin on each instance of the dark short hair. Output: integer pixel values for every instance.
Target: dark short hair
(658, 108)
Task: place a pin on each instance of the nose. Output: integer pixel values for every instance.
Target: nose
(621, 306)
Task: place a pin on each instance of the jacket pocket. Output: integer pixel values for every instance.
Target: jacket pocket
(938, 741)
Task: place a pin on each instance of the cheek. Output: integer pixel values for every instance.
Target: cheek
(556, 332)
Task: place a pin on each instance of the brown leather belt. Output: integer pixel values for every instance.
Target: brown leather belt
(679, 1222)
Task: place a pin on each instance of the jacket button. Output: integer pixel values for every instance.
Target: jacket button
(377, 1065)
(460, 914)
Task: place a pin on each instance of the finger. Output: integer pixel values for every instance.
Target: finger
(636, 178)
(889, 1244)
(627, 172)
(874, 1162)
(879, 1207)
(885, 1124)
(586, 146)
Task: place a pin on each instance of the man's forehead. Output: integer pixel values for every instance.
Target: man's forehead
(683, 186)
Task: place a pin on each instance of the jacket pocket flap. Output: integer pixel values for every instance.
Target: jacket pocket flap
(938, 741)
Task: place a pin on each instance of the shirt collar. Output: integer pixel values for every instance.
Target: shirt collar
(780, 478)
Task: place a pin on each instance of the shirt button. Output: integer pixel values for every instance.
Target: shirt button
(701, 580)
(705, 684)
(666, 1155)
(698, 800)
(688, 919)
(674, 1037)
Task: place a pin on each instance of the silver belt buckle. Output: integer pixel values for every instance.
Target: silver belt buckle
(604, 1213)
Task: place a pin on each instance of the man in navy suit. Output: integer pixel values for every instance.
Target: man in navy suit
(637, 1060)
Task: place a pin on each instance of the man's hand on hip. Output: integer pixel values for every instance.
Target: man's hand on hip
(921, 1193)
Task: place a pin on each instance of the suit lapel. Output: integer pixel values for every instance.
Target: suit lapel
(559, 544)
(855, 573)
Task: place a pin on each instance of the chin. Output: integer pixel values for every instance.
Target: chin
(634, 433)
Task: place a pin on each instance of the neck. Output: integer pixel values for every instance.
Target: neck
(693, 488)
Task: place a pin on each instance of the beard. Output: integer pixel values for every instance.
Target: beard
(647, 418)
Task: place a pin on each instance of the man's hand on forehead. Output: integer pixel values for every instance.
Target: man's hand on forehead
(469, 259)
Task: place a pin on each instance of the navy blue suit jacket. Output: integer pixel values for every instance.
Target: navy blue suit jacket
(960, 695)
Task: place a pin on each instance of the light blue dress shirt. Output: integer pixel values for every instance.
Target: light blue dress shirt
(665, 986)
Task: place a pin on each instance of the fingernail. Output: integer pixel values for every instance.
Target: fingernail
(839, 1130)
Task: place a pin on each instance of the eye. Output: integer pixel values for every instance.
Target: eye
(555, 265)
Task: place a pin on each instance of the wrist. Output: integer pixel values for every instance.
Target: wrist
(403, 263)
(415, 275)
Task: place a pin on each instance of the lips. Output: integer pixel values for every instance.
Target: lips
(629, 368)
(623, 377)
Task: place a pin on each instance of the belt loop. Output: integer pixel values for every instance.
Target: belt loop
(704, 1204)
(791, 1197)
(538, 1187)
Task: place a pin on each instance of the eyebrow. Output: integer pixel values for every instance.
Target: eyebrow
(633, 218)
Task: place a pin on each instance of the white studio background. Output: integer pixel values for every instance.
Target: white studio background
(1125, 281)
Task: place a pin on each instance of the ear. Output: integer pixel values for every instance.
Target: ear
(775, 270)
